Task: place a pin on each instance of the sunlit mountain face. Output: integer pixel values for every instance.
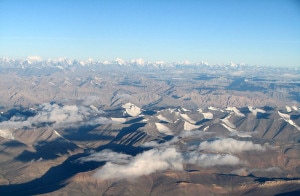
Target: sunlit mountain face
(71, 127)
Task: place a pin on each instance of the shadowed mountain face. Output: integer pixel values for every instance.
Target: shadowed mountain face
(174, 131)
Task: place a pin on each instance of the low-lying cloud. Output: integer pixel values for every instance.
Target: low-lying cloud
(143, 164)
(125, 166)
(229, 145)
(208, 160)
(246, 171)
(57, 116)
(107, 155)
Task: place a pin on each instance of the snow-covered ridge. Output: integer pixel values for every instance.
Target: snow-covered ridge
(62, 63)
(232, 128)
(236, 111)
(287, 118)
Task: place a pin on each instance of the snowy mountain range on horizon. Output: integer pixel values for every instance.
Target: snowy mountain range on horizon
(34, 60)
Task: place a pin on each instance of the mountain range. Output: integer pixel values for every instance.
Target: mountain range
(136, 128)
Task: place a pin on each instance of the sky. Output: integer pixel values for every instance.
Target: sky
(263, 32)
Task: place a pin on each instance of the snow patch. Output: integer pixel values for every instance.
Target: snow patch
(227, 122)
(187, 118)
(236, 111)
(208, 115)
(254, 110)
(288, 108)
(5, 133)
(163, 129)
(60, 67)
(206, 128)
(188, 126)
(56, 133)
(228, 128)
(52, 83)
(232, 128)
(162, 118)
(212, 108)
(287, 118)
(185, 110)
(132, 109)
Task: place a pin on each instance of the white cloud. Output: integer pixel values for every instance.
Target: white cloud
(158, 159)
(269, 169)
(107, 155)
(57, 116)
(11, 124)
(229, 145)
(246, 171)
(208, 160)
(152, 144)
(143, 164)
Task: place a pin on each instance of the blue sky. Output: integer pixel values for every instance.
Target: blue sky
(261, 32)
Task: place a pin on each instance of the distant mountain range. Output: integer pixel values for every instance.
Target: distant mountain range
(137, 63)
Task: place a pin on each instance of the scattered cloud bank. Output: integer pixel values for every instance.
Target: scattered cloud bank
(229, 145)
(56, 116)
(143, 164)
(158, 159)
